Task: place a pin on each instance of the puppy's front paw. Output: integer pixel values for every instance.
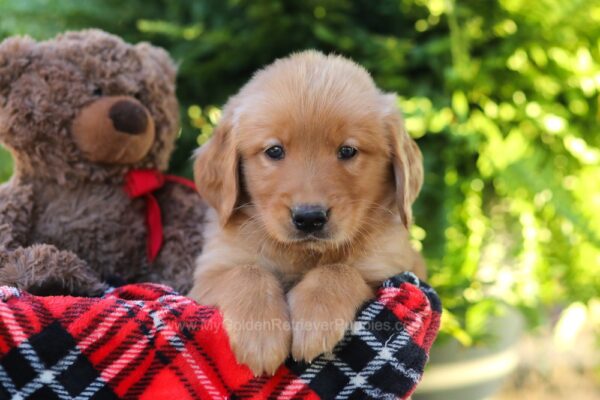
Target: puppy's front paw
(322, 309)
(317, 325)
(259, 337)
(255, 313)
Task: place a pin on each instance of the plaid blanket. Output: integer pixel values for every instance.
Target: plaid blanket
(145, 341)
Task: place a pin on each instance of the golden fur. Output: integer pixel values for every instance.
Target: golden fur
(300, 293)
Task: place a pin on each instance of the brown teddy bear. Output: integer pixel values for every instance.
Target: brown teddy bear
(90, 121)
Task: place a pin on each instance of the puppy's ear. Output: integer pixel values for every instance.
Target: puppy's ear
(407, 160)
(15, 55)
(216, 171)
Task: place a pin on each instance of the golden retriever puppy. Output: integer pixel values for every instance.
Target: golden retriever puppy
(311, 177)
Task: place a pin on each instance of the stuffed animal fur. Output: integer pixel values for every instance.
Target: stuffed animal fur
(78, 113)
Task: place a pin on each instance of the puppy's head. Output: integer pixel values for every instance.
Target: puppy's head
(312, 152)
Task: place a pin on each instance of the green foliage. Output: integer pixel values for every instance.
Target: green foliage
(502, 97)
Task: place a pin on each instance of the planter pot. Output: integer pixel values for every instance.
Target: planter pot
(458, 373)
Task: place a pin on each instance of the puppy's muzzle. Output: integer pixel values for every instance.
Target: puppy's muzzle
(309, 218)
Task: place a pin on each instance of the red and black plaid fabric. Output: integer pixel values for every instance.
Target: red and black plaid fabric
(145, 341)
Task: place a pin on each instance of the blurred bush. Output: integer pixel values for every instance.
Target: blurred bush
(502, 97)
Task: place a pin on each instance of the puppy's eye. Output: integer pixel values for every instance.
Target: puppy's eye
(275, 152)
(346, 152)
(97, 92)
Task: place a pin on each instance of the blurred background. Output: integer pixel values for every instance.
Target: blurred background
(503, 99)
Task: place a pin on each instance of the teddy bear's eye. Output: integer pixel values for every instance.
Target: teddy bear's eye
(97, 92)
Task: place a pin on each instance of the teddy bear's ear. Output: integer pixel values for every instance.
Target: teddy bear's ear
(159, 57)
(15, 55)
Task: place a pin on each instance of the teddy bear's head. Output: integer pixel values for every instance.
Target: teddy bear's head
(86, 106)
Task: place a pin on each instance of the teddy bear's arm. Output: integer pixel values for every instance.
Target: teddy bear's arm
(44, 269)
(39, 268)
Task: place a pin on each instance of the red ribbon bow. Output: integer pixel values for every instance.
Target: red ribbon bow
(143, 182)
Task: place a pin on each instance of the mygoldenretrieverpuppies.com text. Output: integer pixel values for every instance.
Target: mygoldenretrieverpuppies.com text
(279, 324)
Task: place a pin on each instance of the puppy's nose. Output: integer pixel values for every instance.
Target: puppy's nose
(128, 117)
(309, 218)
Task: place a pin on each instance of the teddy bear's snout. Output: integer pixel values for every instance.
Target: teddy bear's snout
(129, 117)
(114, 130)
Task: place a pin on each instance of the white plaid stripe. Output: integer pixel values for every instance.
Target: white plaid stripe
(7, 383)
(6, 292)
(408, 277)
